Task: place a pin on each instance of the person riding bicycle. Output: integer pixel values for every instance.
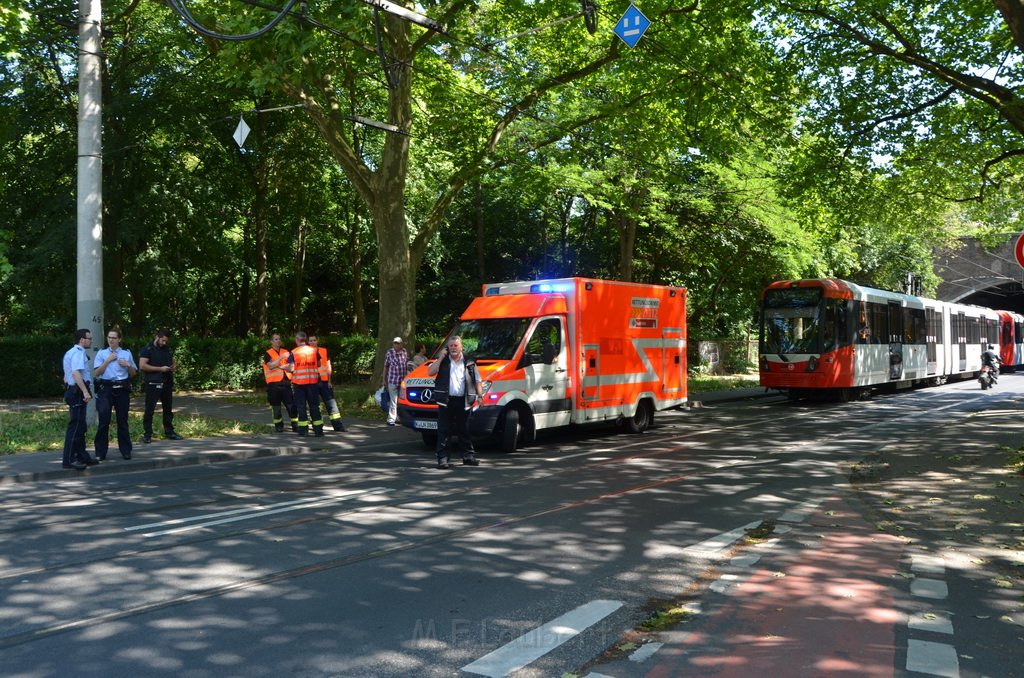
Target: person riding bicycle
(991, 358)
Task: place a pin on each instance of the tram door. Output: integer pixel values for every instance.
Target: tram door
(895, 340)
(933, 331)
(961, 339)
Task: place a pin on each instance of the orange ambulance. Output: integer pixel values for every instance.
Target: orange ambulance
(559, 352)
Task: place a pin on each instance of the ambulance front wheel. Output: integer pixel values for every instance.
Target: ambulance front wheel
(510, 431)
(641, 419)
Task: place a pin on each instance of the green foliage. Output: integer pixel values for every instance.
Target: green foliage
(204, 363)
(33, 368)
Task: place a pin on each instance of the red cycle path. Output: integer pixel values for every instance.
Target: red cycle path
(825, 609)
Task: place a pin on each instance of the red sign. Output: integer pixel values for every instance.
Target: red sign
(1018, 250)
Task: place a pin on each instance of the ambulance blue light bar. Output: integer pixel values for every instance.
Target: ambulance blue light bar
(548, 288)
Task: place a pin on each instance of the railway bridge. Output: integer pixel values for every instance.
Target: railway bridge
(972, 274)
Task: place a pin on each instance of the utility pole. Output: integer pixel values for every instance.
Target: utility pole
(90, 176)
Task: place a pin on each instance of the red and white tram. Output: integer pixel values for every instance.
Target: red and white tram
(1011, 340)
(833, 336)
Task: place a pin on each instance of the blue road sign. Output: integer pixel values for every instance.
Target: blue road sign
(632, 25)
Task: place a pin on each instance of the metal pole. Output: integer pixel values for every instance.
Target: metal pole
(90, 176)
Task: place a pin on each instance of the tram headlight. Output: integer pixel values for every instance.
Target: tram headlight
(812, 364)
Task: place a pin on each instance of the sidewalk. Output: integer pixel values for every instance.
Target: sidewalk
(913, 566)
(36, 466)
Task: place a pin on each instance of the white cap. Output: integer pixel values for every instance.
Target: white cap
(396, 340)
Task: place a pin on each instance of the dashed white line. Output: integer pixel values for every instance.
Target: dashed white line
(210, 519)
(531, 646)
(936, 659)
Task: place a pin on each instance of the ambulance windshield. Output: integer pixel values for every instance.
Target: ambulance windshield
(490, 339)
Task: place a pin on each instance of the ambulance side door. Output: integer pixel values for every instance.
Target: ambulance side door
(545, 365)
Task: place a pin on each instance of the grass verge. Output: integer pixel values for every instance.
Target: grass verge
(43, 430)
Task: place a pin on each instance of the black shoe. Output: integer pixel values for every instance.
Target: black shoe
(91, 462)
(339, 427)
(279, 429)
(99, 458)
(303, 434)
(147, 439)
(75, 465)
(443, 465)
(173, 436)
(318, 434)
(127, 457)
(471, 461)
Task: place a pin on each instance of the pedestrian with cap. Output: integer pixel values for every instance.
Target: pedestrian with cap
(396, 364)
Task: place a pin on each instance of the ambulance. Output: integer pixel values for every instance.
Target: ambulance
(558, 352)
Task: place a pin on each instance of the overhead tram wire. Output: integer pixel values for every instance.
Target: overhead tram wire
(181, 8)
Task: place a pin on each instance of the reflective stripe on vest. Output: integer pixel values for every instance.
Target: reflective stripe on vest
(306, 359)
(274, 374)
(325, 371)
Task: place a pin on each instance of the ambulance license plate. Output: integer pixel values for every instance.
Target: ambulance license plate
(428, 424)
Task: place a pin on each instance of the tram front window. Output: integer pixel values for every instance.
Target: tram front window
(791, 320)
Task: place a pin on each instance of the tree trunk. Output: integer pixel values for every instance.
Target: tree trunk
(626, 225)
(260, 236)
(479, 218)
(355, 257)
(300, 265)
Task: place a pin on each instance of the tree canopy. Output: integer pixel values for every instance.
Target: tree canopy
(393, 169)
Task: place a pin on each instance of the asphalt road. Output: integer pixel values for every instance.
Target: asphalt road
(373, 563)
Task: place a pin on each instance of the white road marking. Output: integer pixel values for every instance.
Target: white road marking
(933, 623)
(531, 646)
(926, 564)
(645, 652)
(935, 589)
(715, 547)
(936, 659)
(211, 519)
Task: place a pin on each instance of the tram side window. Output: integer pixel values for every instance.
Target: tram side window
(914, 330)
(835, 329)
(879, 323)
(863, 323)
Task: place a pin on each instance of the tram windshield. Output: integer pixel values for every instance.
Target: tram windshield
(490, 339)
(791, 320)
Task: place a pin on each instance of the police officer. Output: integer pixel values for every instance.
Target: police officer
(157, 362)
(279, 384)
(77, 394)
(303, 362)
(326, 391)
(113, 368)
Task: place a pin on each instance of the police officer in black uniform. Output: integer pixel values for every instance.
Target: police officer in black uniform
(157, 363)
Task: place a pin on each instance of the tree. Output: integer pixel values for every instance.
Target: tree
(480, 103)
(935, 87)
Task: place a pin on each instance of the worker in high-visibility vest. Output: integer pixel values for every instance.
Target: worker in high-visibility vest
(279, 384)
(303, 362)
(324, 385)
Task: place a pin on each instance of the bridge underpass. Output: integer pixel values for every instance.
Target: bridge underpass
(973, 275)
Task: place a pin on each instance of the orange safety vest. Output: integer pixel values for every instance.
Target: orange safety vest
(306, 363)
(325, 365)
(275, 374)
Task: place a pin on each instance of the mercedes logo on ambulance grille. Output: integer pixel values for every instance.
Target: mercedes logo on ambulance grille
(426, 395)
